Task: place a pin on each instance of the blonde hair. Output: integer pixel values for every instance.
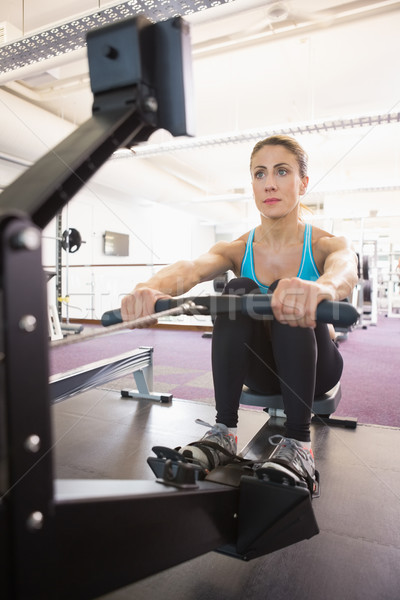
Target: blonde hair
(294, 147)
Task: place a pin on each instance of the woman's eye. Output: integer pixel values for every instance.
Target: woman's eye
(282, 172)
(259, 174)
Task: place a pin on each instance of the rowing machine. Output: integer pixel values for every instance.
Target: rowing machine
(70, 525)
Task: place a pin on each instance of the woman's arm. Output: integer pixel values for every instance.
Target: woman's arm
(340, 266)
(182, 276)
(177, 279)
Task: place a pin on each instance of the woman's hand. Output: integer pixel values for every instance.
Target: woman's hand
(294, 301)
(140, 303)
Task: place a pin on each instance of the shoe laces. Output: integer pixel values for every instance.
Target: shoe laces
(215, 431)
(289, 448)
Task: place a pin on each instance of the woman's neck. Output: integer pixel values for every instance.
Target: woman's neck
(284, 231)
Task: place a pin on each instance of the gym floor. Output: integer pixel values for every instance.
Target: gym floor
(355, 556)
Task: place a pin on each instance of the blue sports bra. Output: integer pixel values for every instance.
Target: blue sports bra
(308, 269)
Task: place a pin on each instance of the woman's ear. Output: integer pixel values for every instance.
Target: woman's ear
(303, 185)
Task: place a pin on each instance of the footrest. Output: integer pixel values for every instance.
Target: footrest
(171, 468)
(168, 453)
(276, 476)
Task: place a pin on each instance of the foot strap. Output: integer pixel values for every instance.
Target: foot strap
(205, 446)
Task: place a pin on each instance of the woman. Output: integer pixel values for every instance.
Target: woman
(300, 266)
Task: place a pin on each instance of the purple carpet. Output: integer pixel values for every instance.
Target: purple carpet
(182, 366)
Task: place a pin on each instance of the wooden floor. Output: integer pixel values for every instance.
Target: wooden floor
(355, 556)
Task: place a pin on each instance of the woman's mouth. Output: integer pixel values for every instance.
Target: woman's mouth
(271, 200)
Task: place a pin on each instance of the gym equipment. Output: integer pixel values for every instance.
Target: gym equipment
(70, 525)
(71, 240)
(54, 327)
(323, 406)
(365, 294)
(36, 512)
(393, 284)
(139, 362)
(341, 313)
(112, 319)
(249, 304)
(220, 282)
(394, 296)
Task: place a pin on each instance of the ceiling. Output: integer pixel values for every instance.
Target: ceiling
(325, 71)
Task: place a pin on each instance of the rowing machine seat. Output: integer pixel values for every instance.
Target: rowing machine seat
(323, 406)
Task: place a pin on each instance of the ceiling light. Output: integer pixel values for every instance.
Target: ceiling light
(292, 129)
(123, 153)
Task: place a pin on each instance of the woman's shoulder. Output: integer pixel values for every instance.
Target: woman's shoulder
(324, 243)
(324, 238)
(235, 249)
(231, 249)
(238, 246)
(244, 237)
(318, 233)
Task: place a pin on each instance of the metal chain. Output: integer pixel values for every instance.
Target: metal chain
(188, 308)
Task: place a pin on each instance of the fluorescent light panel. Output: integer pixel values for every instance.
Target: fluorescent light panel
(146, 150)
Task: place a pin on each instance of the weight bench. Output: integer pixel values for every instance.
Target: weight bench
(323, 406)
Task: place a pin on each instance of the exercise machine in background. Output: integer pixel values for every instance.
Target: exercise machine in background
(138, 363)
(366, 291)
(393, 284)
(69, 241)
(66, 242)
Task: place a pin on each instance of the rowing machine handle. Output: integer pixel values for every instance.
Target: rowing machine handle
(111, 317)
(341, 314)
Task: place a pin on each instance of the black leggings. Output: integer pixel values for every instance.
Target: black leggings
(271, 358)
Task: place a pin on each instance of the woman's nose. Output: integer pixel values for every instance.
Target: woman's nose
(270, 184)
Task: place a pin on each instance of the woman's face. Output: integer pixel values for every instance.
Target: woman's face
(276, 181)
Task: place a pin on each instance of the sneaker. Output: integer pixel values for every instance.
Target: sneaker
(217, 447)
(292, 458)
